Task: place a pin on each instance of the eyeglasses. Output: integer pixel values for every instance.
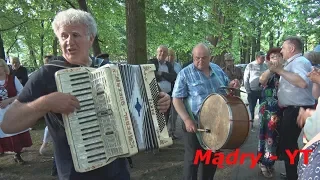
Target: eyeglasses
(199, 58)
(275, 56)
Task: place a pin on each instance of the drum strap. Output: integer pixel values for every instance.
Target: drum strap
(188, 109)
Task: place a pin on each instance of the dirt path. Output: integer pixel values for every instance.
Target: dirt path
(165, 164)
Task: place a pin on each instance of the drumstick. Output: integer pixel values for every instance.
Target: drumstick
(204, 130)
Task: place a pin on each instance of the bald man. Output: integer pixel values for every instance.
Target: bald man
(194, 83)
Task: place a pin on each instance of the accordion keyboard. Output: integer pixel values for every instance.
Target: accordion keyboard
(118, 115)
(94, 126)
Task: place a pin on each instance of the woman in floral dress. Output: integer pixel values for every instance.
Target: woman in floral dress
(269, 112)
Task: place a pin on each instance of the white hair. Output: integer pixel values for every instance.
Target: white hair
(163, 47)
(74, 16)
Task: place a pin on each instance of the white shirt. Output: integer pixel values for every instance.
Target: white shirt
(165, 85)
(291, 95)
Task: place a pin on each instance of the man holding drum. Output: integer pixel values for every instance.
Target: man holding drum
(193, 84)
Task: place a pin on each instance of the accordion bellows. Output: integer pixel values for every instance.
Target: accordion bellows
(118, 115)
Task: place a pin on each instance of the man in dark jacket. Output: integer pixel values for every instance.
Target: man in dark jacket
(19, 71)
(165, 73)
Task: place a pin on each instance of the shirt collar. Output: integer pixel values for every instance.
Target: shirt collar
(164, 62)
(294, 57)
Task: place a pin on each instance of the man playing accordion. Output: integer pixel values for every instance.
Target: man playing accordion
(76, 31)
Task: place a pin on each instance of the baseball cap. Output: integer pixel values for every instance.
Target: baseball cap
(260, 53)
(228, 56)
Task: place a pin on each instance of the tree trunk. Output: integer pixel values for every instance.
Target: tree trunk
(241, 50)
(305, 44)
(253, 48)
(136, 32)
(55, 46)
(271, 39)
(246, 49)
(95, 46)
(2, 54)
(278, 37)
(258, 44)
(42, 43)
(33, 57)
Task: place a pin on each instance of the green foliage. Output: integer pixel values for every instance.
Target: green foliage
(179, 24)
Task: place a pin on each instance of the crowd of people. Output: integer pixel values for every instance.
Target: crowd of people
(284, 81)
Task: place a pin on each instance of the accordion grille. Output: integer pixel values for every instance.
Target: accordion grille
(155, 93)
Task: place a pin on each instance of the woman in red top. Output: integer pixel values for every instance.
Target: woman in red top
(10, 87)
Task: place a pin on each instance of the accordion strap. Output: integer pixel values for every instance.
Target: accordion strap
(96, 62)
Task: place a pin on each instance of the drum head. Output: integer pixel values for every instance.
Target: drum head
(214, 115)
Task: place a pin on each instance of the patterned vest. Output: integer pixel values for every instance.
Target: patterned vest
(8, 90)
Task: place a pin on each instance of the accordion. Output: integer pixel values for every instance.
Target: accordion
(118, 115)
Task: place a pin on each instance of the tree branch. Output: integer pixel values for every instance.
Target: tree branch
(70, 3)
(100, 41)
(16, 39)
(16, 25)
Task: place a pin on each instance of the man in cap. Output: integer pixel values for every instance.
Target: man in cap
(251, 77)
(231, 70)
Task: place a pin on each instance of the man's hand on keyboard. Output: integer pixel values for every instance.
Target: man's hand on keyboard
(164, 102)
(62, 103)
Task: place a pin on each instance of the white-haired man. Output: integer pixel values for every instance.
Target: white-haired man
(165, 73)
(19, 71)
(76, 31)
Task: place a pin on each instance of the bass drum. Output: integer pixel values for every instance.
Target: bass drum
(227, 118)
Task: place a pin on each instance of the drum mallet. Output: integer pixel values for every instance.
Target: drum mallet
(204, 130)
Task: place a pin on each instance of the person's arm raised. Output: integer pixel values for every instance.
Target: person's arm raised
(263, 79)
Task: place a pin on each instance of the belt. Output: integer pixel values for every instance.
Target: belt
(299, 106)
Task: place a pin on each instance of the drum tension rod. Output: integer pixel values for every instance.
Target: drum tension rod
(204, 130)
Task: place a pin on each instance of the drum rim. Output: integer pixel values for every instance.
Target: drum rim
(247, 136)
(230, 116)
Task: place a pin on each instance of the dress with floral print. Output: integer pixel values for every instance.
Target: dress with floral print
(269, 121)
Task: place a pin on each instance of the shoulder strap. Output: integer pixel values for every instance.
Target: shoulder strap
(96, 62)
(59, 63)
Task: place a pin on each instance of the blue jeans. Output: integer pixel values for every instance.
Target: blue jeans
(253, 96)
